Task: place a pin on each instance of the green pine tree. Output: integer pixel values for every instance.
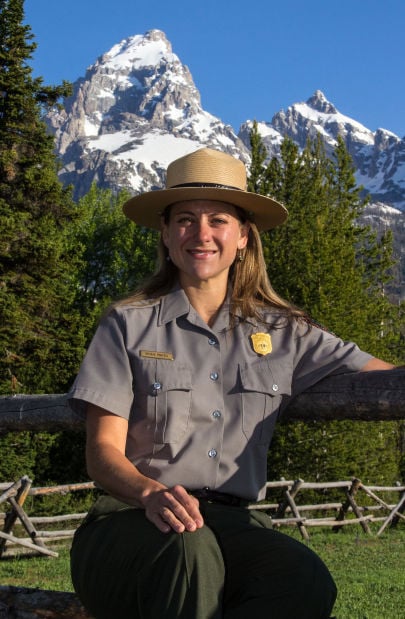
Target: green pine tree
(324, 261)
(115, 253)
(41, 334)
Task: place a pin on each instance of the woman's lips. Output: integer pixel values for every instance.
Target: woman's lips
(201, 252)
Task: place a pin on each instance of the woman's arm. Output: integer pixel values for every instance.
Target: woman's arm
(377, 364)
(168, 508)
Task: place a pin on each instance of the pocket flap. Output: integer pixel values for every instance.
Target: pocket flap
(173, 377)
(264, 376)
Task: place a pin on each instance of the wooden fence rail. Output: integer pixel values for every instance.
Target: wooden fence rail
(342, 513)
(364, 396)
(288, 511)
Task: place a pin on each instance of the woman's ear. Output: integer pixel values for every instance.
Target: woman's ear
(164, 234)
(244, 235)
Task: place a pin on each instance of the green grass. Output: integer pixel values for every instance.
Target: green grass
(37, 571)
(369, 571)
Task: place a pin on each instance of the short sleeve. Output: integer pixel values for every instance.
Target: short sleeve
(105, 376)
(321, 354)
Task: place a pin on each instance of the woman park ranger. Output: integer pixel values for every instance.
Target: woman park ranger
(181, 387)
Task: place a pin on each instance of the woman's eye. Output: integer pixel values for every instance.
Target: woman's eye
(184, 220)
(188, 220)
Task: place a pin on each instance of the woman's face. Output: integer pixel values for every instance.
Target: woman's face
(203, 237)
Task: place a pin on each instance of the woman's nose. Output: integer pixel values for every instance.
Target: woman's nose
(203, 230)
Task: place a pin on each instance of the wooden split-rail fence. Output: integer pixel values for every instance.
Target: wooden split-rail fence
(26, 603)
(289, 511)
(369, 396)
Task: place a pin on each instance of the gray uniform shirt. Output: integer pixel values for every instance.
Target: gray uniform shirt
(202, 402)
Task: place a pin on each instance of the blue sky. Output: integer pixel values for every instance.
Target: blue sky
(248, 59)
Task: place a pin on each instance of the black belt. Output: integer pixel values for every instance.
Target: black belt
(213, 496)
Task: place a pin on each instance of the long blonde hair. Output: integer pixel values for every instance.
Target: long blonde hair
(251, 290)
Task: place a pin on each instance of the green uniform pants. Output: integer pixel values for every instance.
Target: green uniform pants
(235, 567)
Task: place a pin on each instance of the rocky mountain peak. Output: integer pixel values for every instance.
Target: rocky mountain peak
(141, 50)
(378, 156)
(319, 102)
(144, 77)
(136, 108)
(137, 81)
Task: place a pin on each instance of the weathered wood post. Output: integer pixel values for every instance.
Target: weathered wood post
(361, 396)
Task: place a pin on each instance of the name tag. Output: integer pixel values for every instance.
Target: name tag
(154, 354)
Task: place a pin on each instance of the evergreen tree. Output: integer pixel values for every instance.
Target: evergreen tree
(115, 253)
(325, 262)
(256, 180)
(41, 334)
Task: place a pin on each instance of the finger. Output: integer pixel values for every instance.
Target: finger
(189, 503)
(160, 516)
(161, 512)
(173, 508)
(166, 522)
(179, 509)
(175, 514)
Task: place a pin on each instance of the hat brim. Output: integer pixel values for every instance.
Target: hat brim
(146, 209)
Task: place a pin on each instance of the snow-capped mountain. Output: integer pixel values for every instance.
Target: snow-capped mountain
(379, 156)
(137, 108)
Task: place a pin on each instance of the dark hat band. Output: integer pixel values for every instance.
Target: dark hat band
(215, 185)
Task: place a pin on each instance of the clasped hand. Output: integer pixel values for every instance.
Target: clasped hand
(173, 509)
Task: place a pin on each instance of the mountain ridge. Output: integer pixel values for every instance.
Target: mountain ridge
(379, 156)
(139, 89)
(137, 108)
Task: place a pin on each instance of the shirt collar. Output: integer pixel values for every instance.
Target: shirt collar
(173, 305)
(176, 304)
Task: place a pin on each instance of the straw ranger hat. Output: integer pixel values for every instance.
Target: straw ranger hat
(205, 174)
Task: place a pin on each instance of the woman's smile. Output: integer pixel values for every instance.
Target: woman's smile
(201, 253)
(202, 238)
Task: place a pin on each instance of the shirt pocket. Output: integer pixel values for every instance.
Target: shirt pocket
(162, 398)
(263, 384)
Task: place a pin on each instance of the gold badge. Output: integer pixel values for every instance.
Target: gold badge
(261, 343)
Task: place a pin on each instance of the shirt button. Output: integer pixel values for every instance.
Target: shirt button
(214, 376)
(212, 341)
(212, 453)
(216, 414)
(275, 387)
(157, 386)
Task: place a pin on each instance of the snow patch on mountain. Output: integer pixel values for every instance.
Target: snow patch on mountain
(326, 123)
(137, 52)
(136, 109)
